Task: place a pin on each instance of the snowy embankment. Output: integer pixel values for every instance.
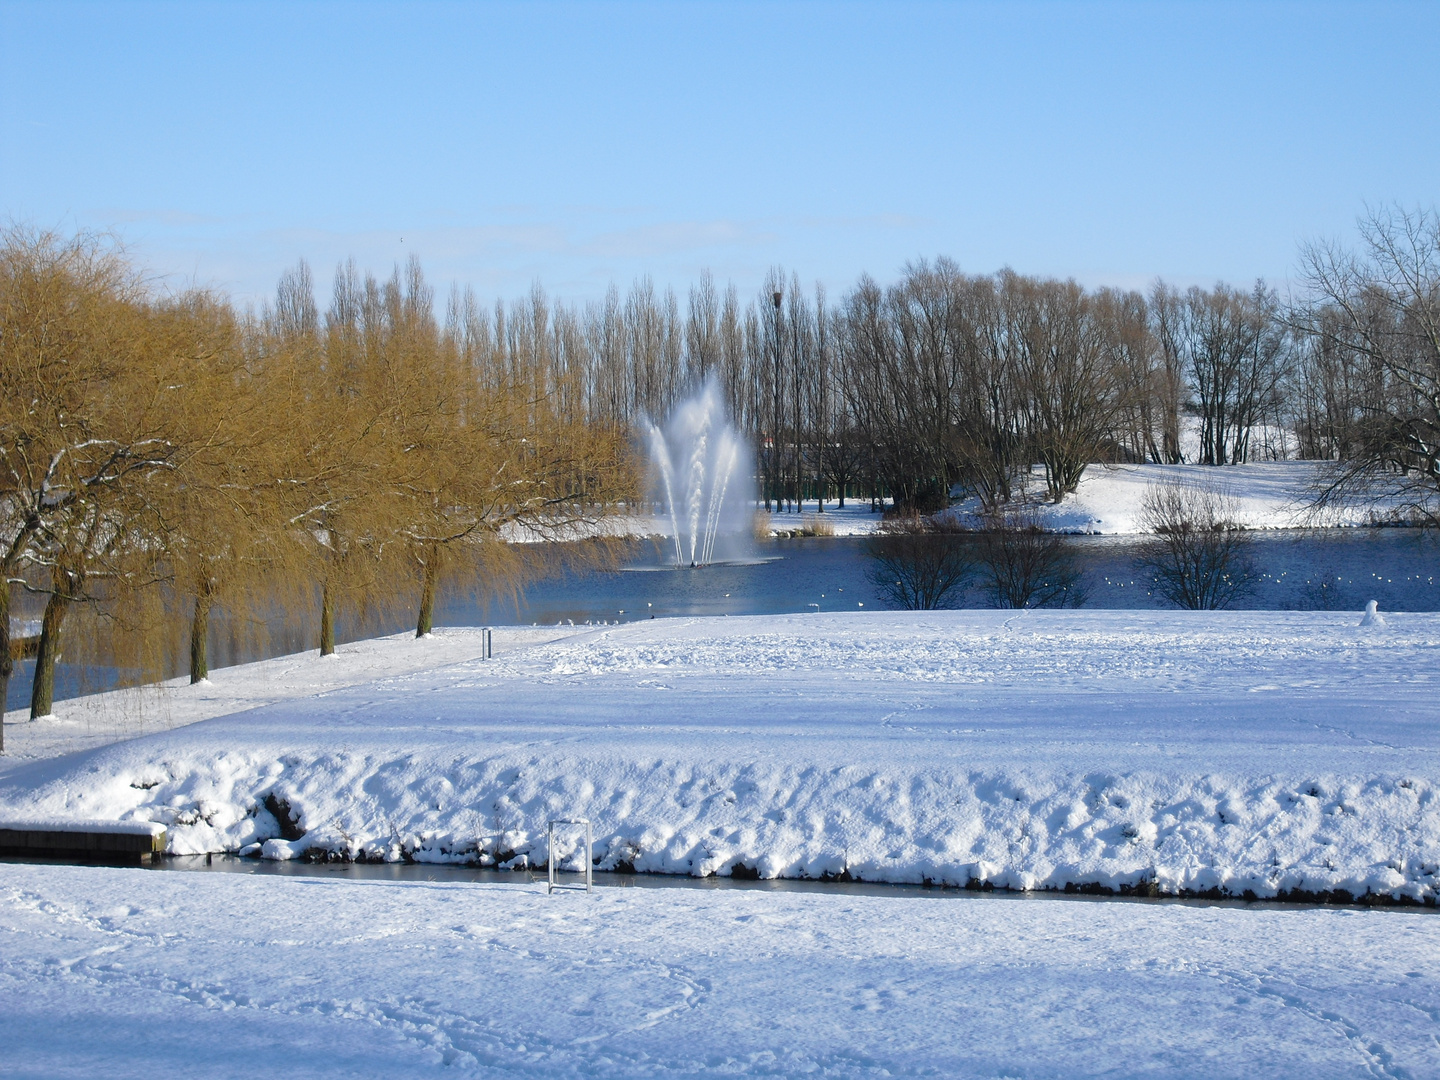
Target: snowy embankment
(1266, 495)
(1270, 753)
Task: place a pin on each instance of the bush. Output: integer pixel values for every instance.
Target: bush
(920, 563)
(1197, 555)
(1022, 565)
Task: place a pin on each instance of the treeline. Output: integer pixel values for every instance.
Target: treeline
(163, 457)
(946, 380)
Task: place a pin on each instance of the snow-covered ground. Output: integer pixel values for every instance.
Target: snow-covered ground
(1269, 752)
(1267, 495)
(100, 719)
(135, 973)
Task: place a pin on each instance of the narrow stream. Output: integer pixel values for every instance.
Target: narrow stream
(432, 872)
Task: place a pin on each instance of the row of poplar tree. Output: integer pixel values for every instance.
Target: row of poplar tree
(946, 380)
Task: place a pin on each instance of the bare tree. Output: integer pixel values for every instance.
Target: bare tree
(1071, 390)
(702, 331)
(1023, 566)
(97, 404)
(920, 563)
(1196, 555)
(1148, 394)
(1231, 347)
(1377, 313)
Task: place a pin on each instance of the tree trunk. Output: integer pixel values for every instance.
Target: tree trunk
(42, 692)
(327, 619)
(7, 662)
(200, 635)
(424, 623)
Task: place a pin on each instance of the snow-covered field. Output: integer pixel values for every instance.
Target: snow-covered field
(1267, 495)
(1264, 751)
(100, 719)
(135, 973)
(1268, 752)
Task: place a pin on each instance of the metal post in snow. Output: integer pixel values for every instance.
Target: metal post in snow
(550, 868)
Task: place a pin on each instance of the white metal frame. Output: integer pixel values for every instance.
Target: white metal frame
(589, 854)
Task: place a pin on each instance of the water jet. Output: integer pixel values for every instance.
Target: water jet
(702, 471)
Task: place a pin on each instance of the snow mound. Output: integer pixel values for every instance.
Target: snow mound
(1270, 753)
(1372, 616)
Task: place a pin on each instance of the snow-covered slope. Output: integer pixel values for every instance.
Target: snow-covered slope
(1241, 751)
(1267, 495)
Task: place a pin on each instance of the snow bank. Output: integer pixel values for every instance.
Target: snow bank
(1235, 752)
(1267, 495)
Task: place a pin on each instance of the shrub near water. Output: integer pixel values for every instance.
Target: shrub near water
(1197, 556)
(920, 563)
(1023, 566)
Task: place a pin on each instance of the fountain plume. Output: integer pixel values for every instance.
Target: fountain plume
(697, 456)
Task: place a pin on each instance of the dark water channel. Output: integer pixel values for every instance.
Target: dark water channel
(1332, 569)
(536, 880)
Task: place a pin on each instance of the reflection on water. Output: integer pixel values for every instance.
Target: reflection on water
(1332, 569)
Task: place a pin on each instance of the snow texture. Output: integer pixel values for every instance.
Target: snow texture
(1267, 495)
(141, 973)
(100, 719)
(1270, 753)
(114, 828)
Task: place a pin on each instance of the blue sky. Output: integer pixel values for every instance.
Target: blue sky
(579, 144)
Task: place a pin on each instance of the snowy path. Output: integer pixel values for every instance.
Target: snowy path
(1261, 751)
(139, 974)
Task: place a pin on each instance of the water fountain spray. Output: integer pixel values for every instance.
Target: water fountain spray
(696, 456)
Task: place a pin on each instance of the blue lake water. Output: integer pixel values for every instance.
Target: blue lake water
(1329, 569)
(1337, 569)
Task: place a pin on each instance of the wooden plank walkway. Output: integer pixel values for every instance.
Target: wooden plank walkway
(116, 842)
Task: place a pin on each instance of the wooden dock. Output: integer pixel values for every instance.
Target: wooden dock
(111, 842)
